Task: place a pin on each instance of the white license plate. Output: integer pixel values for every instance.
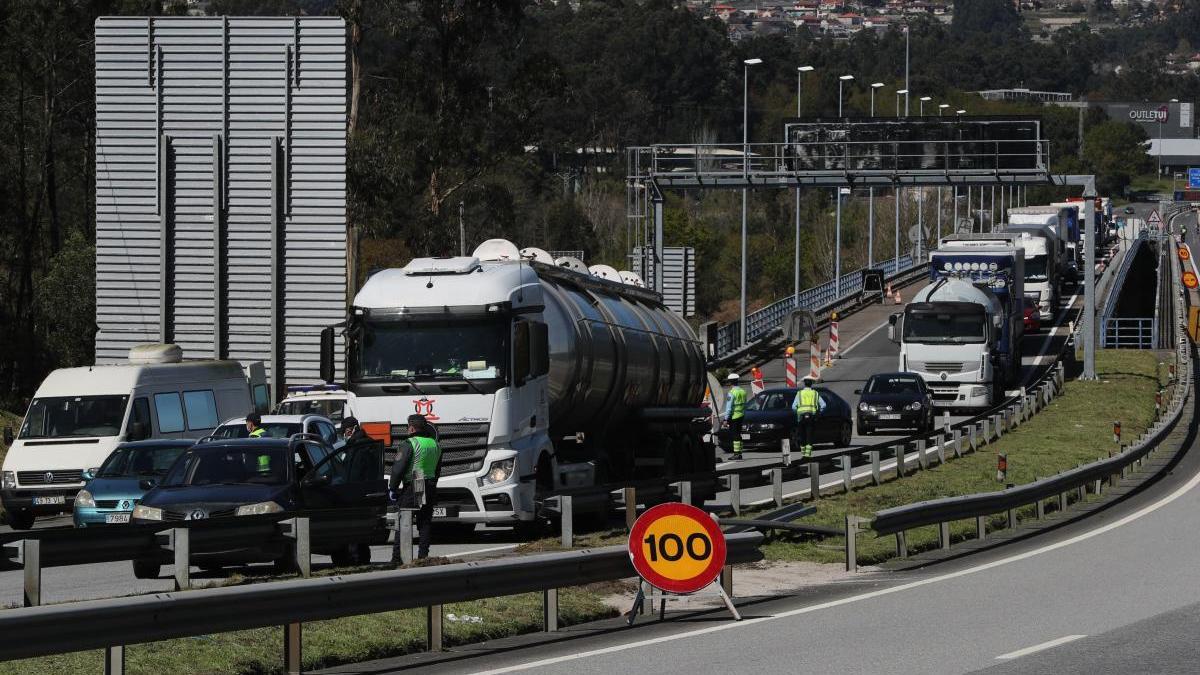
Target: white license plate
(439, 512)
(56, 499)
(889, 416)
(116, 517)
(745, 437)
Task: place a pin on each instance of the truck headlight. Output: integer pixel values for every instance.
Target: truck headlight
(141, 512)
(10, 480)
(915, 405)
(499, 472)
(978, 391)
(85, 499)
(258, 509)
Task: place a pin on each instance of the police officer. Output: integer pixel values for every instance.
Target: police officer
(735, 410)
(254, 425)
(413, 484)
(808, 405)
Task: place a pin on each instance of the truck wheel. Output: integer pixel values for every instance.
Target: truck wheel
(146, 569)
(20, 520)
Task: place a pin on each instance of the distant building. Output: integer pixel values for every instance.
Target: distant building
(1022, 94)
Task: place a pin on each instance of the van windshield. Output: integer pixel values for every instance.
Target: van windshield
(74, 417)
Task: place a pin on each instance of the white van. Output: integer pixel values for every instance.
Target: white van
(79, 415)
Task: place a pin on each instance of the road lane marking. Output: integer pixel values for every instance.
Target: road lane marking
(1042, 647)
(864, 338)
(983, 567)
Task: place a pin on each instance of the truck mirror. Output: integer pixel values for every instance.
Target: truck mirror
(327, 369)
(8, 436)
(893, 321)
(138, 431)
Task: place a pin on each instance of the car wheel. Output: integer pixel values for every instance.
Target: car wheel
(146, 569)
(342, 557)
(20, 520)
(864, 429)
(846, 436)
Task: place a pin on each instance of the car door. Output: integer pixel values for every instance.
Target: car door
(314, 475)
(353, 475)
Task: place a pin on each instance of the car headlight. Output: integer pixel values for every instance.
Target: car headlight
(499, 472)
(258, 509)
(84, 499)
(863, 407)
(141, 512)
(10, 480)
(915, 405)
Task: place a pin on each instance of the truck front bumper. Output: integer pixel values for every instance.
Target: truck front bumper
(497, 505)
(959, 394)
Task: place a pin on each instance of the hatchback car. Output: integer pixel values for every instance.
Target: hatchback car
(894, 400)
(114, 489)
(282, 426)
(226, 478)
(769, 419)
(1032, 315)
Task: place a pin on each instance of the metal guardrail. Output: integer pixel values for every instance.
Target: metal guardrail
(109, 624)
(1129, 333)
(760, 322)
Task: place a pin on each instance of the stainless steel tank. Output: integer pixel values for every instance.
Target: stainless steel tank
(614, 348)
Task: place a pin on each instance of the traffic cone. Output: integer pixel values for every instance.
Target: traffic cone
(897, 297)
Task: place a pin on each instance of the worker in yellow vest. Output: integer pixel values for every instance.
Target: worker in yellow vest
(808, 405)
(735, 410)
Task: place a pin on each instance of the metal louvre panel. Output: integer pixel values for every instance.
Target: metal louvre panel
(254, 84)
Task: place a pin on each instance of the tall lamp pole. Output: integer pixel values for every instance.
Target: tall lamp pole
(799, 107)
(842, 80)
(923, 99)
(941, 200)
(745, 162)
(837, 227)
(871, 197)
(896, 189)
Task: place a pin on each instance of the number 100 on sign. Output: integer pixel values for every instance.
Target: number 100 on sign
(677, 547)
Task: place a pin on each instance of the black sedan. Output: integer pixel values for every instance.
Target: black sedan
(770, 418)
(245, 477)
(894, 400)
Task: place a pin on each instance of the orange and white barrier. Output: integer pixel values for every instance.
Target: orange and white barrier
(828, 361)
(814, 360)
(833, 336)
(789, 368)
(896, 297)
(756, 380)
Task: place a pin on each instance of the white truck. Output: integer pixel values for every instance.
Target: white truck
(962, 333)
(79, 415)
(1061, 221)
(536, 373)
(1043, 265)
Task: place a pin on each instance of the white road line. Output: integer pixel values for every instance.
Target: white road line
(1182, 490)
(863, 338)
(1058, 324)
(1037, 648)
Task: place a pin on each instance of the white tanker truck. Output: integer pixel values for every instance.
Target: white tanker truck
(537, 374)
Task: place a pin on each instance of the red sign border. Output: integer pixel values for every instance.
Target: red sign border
(685, 586)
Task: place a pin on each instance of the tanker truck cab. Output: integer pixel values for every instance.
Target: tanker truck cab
(79, 415)
(528, 369)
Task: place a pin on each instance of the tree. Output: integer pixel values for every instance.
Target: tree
(991, 21)
(1116, 152)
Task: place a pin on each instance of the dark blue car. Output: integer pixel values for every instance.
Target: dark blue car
(227, 478)
(769, 418)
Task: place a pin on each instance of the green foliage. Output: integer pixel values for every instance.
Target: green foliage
(1116, 153)
(65, 302)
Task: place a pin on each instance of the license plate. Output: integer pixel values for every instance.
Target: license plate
(745, 437)
(890, 416)
(439, 512)
(116, 517)
(56, 499)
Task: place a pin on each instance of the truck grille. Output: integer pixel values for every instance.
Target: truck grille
(57, 477)
(943, 393)
(463, 444)
(944, 366)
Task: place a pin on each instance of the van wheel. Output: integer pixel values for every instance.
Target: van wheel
(20, 520)
(146, 569)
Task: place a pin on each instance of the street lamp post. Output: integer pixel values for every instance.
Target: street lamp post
(871, 197)
(842, 80)
(923, 99)
(745, 165)
(837, 244)
(941, 107)
(896, 189)
(800, 71)
(941, 204)
(899, 93)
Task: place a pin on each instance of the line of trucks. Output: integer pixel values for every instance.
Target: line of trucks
(962, 333)
(538, 374)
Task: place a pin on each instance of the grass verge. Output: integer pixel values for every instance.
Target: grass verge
(329, 643)
(1074, 429)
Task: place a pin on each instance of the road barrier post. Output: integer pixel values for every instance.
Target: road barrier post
(847, 479)
(785, 449)
(980, 527)
(114, 660)
(176, 540)
(940, 443)
(630, 507)
(814, 480)
(293, 650)
(1040, 507)
(922, 460)
(733, 483)
(296, 529)
(566, 508)
(1062, 501)
(901, 545)
(946, 422)
(777, 486)
(972, 438)
(727, 580)
(28, 554)
(898, 453)
(550, 610)
(404, 521)
(876, 476)
(685, 491)
(433, 627)
(852, 523)
(957, 440)
(944, 535)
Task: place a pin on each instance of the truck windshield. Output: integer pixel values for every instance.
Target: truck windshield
(945, 327)
(400, 350)
(74, 416)
(1035, 268)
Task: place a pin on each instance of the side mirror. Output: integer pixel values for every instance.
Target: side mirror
(315, 480)
(8, 436)
(858, 392)
(89, 474)
(893, 322)
(138, 431)
(327, 368)
(147, 483)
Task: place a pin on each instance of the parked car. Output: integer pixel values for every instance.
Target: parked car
(113, 490)
(326, 400)
(770, 419)
(1033, 317)
(227, 478)
(1129, 209)
(894, 400)
(282, 426)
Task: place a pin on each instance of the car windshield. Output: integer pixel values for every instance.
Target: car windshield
(1035, 268)
(143, 460)
(272, 430)
(230, 465)
(771, 401)
(945, 327)
(74, 416)
(399, 350)
(332, 408)
(893, 384)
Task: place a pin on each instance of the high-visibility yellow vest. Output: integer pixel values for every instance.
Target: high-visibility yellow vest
(808, 402)
(737, 398)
